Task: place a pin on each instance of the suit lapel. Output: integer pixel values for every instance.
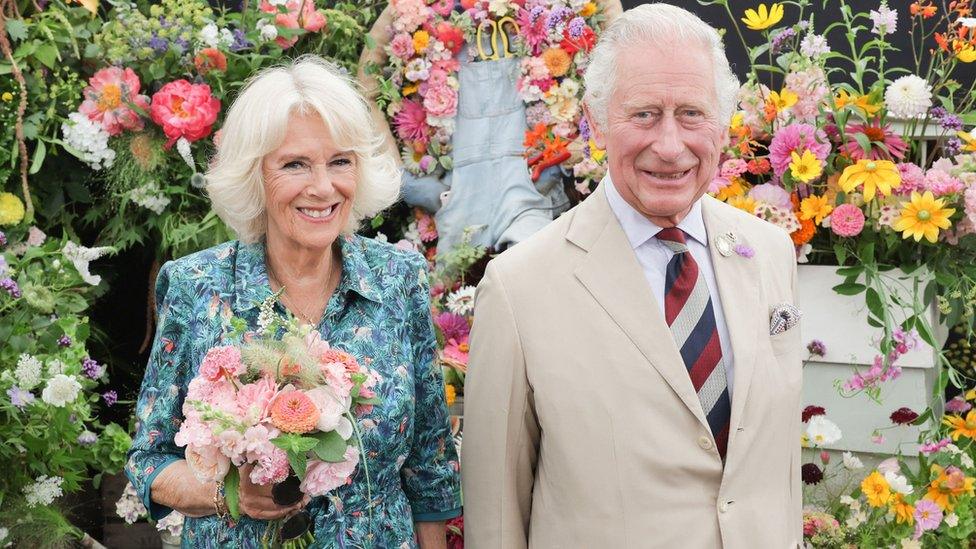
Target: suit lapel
(611, 274)
(738, 282)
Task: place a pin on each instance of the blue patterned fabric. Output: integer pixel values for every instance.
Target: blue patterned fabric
(381, 314)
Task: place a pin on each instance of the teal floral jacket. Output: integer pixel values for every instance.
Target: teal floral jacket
(381, 314)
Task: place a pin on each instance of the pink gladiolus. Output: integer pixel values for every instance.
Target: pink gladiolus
(184, 110)
(108, 97)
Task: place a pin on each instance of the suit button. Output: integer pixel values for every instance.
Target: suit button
(705, 443)
(723, 507)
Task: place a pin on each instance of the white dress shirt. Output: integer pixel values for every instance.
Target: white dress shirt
(653, 256)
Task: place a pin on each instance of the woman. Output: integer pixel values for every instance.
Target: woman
(298, 167)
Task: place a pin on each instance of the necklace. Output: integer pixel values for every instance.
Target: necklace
(289, 303)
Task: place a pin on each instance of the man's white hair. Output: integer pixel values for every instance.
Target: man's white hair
(256, 125)
(665, 27)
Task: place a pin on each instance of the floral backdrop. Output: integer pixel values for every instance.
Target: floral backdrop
(115, 108)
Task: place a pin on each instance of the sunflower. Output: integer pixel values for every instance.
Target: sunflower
(962, 427)
(924, 215)
(880, 175)
(762, 19)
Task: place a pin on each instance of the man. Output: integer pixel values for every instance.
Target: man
(635, 368)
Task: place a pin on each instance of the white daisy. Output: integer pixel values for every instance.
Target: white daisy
(822, 431)
(461, 302)
(852, 462)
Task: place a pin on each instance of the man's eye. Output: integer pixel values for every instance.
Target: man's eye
(692, 112)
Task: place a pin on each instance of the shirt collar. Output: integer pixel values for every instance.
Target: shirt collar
(251, 285)
(640, 229)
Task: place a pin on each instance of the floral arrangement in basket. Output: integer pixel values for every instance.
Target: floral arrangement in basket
(926, 502)
(866, 165)
(286, 405)
(552, 38)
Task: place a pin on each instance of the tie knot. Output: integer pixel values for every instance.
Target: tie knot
(672, 234)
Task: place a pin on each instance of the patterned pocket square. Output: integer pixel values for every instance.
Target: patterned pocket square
(783, 317)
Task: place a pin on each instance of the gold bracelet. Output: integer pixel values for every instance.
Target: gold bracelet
(219, 501)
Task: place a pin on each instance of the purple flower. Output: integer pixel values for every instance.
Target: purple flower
(937, 113)
(952, 146)
(3, 239)
(745, 251)
(240, 41)
(19, 397)
(181, 45)
(781, 38)
(11, 287)
(928, 516)
(958, 405)
(87, 438)
(110, 397)
(576, 26)
(951, 122)
(817, 348)
(454, 326)
(64, 341)
(91, 368)
(811, 474)
(158, 45)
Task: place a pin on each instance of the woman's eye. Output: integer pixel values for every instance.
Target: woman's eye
(294, 164)
(342, 162)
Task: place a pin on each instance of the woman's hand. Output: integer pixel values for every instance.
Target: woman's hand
(257, 503)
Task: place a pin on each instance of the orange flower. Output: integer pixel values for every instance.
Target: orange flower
(904, 511)
(923, 8)
(210, 59)
(557, 61)
(535, 135)
(948, 485)
(293, 412)
(805, 233)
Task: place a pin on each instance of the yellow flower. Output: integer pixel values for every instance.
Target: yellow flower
(744, 203)
(783, 100)
(11, 209)
(924, 215)
(731, 190)
(806, 168)
(596, 153)
(762, 19)
(736, 121)
(969, 141)
(962, 427)
(421, 39)
(7, 97)
(904, 511)
(970, 394)
(965, 51)
(90, 5)
(861, 102)
(816, 208)
(588, 9)
(876, 489)
(407, 90)
(948, 485)
(880, 175)
(450, 394)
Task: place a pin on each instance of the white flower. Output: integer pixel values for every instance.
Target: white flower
(814, 45)
(850, 502)
(412, 235)
(210, 35)
(267, 30)
(885, 20)
(908, 97)
(822, 431)
(966, 461)
(43, 491)
(80, 257)
(61, 390)
(35, 237)
(3, 537)
(461, 302)
(172, 523)
(417, 69)
(856, 519)
(852, 462)
(150, 197)
(183, 147)
(28, 372)
(55, 367)
(129, 507)
(909, 543)
(952, 520)
(499, 7)
(898, 483)
(971, 23)
(87, 140)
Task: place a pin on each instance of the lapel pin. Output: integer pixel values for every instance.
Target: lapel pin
(724, 243)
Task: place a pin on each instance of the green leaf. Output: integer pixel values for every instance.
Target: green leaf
(854, 271)
(39, 153)
(874, 303)
(849, 288)
(17, 29)
(232, 492)
(291, 442)
(331, 447)
(298, 462)
(47, 53)
(840, 252)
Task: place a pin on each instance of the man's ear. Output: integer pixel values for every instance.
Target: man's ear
(596, 132)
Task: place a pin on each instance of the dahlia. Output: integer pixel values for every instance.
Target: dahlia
(411, 122)
(908, 97)
(796, 137)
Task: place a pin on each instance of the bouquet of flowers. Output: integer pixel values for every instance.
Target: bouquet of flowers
(285, 405)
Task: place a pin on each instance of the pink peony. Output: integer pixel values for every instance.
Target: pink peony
(402, 46)
(207, 463)
(411, 122)
(321, 477)
(941, 183)
(253, 399)
(222, 361)
(912, 179)
(271, 468)
(796, 137)
(107, 99)
(184, 110)
(331, 410)
(441, 102)
(847, 220)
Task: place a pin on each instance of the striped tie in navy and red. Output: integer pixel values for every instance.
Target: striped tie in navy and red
(688, 311)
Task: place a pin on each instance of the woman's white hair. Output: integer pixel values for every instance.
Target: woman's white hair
(663, 26)
(256, 125)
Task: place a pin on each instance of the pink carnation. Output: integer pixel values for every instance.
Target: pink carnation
(796, 137)
(222, 361)
(402, 46)
(253, 399)
(941, 183)
(107, 99)
(411, 122)
(322, 477)
(271, 468)
(847, 220)
(912, 179)
(184, 110)
(441, 102)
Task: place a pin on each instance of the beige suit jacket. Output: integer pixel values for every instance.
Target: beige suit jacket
(582, 428)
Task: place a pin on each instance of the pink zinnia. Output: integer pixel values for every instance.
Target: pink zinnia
(733, 167)
(107, 99)
(453, 326)
(912, 179)
(457, 350)
(411, 122)
(847, 220)
(796, 137)
(876, 133)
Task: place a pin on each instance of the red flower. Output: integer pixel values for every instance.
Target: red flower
(455, 533)
(903, 416)
(585, 42)
(811, 411)
(811, 474)
(184, 110)
(450, 36)
(759, 166)
(210, 59)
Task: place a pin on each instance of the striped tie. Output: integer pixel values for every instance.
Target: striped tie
(688, 311)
